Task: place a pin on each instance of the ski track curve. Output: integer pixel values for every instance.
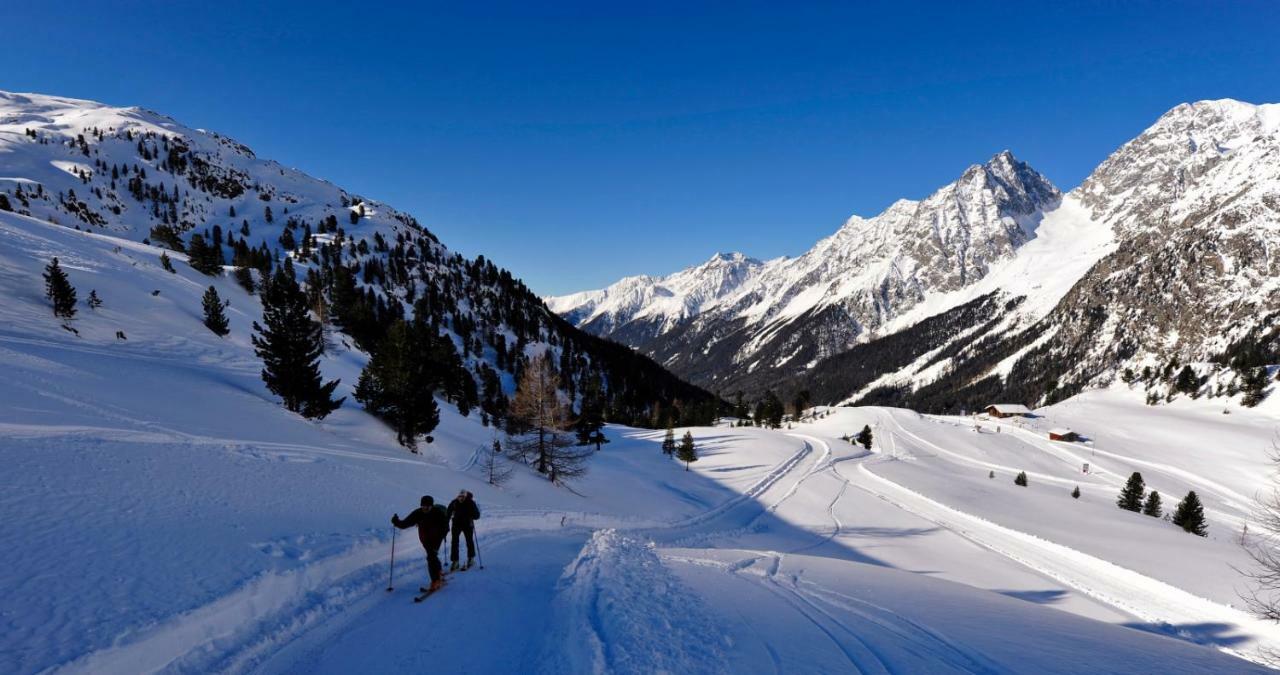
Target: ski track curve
(1143, 597)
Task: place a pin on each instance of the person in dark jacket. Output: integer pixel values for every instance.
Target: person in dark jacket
(432, 522)
(464, 512)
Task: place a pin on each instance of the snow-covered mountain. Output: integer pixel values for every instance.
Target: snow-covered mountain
(140, 176)
(637, 309)
(793, 312)
(999, 284)
(163, 513)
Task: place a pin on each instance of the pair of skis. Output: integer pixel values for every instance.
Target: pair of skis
(425, 592)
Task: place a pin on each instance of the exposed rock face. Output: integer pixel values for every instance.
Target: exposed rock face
(788, 313)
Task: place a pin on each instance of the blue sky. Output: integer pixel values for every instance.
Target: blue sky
(577, 143)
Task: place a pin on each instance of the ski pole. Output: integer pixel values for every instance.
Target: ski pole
(476, 536)
(391, 572)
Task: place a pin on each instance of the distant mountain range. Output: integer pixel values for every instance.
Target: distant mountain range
(998, 284)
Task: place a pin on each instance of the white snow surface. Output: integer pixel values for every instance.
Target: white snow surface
(162, 513)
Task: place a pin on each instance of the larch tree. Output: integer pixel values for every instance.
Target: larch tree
(538, 411)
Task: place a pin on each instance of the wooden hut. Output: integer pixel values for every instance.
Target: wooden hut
(1008, 410)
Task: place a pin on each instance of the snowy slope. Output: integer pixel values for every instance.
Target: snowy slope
(163, 513)
(143, 177)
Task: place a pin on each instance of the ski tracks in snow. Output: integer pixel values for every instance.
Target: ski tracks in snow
(1143, 597)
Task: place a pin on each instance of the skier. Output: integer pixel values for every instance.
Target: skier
(433, 524)
(464, 512)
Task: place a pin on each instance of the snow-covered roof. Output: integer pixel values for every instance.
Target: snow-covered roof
(1060, 431)
(1007, 408)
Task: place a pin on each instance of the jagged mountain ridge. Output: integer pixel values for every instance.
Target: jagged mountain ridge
(1162, 255)
(790, 313)
(138, 175)
(637, 309)
(1184, 217)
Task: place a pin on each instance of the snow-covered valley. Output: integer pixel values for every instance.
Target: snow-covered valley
(162, 512)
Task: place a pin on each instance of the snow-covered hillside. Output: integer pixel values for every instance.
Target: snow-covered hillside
(143, 177)
(163, 513)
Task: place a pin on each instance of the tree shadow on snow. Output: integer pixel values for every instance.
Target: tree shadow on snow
(1212, 634)
(1045, 597)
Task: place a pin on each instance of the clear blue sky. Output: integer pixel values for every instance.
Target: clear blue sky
(578, 143)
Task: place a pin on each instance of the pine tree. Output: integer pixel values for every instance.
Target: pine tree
(399, 382)
(1187, 381)
(1190, 515)
(1021, 479)
(1153, 507)
(669, 442)
(590, 426)
(1131, 496)
(1075, 494)
(1255, 386)
(94, 301)
(687, 452)
(167, 263)
(991, 474)
(59, 291)
(290, 345)
(214, 318)
(864, 437)
(244, 277)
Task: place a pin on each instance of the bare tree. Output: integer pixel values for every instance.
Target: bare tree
(1263, 544)
(537, 408)
(495, 467)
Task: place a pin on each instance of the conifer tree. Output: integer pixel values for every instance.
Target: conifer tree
(1190, 515)
(59, 291)
(669, 442)
(1020, 479)
(167, 263)
(244, 277)
(215, 319)
(1075, 494)
(864, 437)
(590, 425)
(991, 474)
(1187, 381)
(687, 452)
(290, 345)
(1131, 495)
(1153, 506)
(399, 382)
(94, 301)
